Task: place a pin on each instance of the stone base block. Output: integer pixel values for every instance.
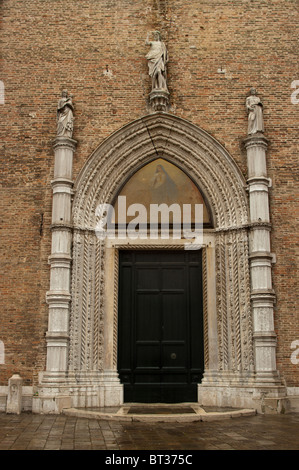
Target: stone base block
(87, 389)
(264, 400)
(111, 395)
(50, 404)
(292, 404)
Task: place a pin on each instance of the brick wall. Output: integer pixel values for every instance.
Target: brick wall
(96, 49)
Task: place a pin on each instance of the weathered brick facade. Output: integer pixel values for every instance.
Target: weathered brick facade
(96, 49)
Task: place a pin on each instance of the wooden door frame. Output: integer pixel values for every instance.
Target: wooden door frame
(180, 389)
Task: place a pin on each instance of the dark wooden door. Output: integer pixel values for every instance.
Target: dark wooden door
(160, 326)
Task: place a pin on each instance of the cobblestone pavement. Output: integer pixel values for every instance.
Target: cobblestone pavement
(58, 432)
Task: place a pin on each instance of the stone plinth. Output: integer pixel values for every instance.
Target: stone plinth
(159, 100)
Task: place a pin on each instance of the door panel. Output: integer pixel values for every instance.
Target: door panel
(147, 318)
(174, 317)
(160, 337)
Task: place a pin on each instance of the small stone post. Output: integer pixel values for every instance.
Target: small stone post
(14, 397)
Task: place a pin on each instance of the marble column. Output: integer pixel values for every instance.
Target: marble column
(59, 295)
(262, 294)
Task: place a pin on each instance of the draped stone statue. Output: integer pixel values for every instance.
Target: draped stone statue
(255, 113)
(65, 116)
(157, 59)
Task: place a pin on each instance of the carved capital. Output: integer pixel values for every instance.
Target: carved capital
(256, 140)
(64, 142)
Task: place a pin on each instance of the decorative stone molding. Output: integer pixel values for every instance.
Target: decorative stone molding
(205, 307)
(190, 148)
(233, 302)
(93, 330)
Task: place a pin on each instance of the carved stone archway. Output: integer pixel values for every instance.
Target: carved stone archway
(89, 372)
(227, 301)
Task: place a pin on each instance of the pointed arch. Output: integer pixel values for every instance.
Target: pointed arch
(93, 320)
(162, 135)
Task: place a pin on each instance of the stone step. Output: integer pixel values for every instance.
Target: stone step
(158, 413)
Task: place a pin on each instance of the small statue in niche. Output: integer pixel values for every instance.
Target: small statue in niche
(255, 113)
(157, 59)
(65, 116)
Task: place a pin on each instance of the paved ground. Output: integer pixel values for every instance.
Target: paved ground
(57, 432)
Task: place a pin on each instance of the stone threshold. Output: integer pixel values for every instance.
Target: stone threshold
(182, 412)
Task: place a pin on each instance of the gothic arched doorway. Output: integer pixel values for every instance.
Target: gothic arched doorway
(227, 331)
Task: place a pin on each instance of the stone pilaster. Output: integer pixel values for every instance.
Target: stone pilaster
(59, 296)
(262, 294)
